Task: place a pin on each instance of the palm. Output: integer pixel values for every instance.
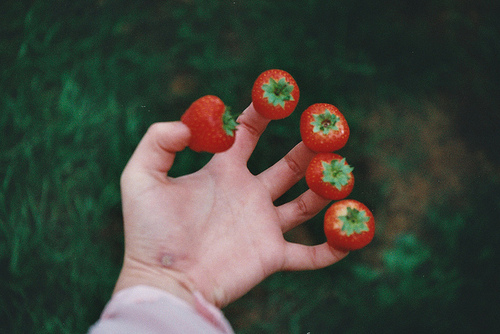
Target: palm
(240, 239)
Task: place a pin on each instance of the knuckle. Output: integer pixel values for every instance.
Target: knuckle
(254, 131)
(293, 165)
(302, 208)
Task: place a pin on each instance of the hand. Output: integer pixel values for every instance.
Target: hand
(216, 231)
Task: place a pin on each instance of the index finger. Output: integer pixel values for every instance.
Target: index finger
(251, 126)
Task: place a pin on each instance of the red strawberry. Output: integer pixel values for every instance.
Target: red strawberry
(275, 94)
(349, 225)
(323, 128)
(329, 176)
(212, 126)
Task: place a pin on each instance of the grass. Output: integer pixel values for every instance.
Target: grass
(81, 81)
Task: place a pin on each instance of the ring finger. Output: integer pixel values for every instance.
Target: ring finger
(301, 209)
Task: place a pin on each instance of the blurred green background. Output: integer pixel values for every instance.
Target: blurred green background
(418, 82)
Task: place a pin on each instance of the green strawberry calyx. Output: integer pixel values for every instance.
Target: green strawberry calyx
(277, 92)
(325, 122)
(354, 221)
(336, 173)
(229, 124)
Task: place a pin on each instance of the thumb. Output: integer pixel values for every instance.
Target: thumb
(156, 150)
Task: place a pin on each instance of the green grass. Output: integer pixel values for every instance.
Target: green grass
(81, 81)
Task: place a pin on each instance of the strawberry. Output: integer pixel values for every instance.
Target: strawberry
(213, 129)
(330, 176)
(349, 225)
(323, 128)
(275, 94)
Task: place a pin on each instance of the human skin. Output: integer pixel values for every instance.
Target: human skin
(216, 231)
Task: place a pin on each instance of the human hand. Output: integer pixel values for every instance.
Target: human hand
(216, 231)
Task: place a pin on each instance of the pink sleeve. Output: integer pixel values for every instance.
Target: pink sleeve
(144, 309)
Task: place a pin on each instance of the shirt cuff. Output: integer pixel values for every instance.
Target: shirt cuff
(145, 309)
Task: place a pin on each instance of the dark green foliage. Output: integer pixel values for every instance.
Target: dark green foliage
(81, 81)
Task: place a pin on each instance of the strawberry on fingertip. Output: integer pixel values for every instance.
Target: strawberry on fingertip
(275, 94)
(213, 128)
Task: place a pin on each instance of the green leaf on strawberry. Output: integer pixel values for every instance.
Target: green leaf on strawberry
(229, 124)
(278, 92)
(354, 221)
(325, 122)
(336, 172)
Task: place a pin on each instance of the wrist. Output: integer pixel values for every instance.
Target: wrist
(135, 273)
